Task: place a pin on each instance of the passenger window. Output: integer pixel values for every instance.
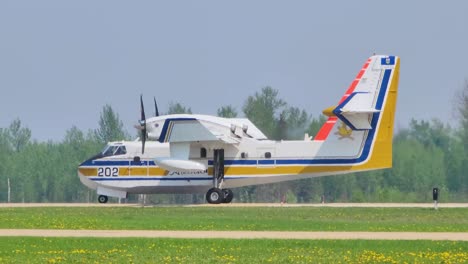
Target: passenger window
(203, 153)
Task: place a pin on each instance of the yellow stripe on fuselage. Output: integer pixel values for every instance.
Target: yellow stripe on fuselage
(88, 172)
(231, 170)
(125, 171)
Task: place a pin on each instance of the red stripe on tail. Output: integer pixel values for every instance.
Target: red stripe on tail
(331, 121)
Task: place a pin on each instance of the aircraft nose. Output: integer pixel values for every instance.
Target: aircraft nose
(83, 168)
(84, 172)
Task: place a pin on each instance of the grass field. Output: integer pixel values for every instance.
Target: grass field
(105, 250)
(225, 218)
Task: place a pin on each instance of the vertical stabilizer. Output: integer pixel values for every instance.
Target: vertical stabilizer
(359, 130)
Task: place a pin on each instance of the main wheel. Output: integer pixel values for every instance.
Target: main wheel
(102, 199)
(214, 196)
(228, 195)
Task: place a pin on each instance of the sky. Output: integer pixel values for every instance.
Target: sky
(62, 61)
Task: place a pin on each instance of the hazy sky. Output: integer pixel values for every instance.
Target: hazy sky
(62, 61)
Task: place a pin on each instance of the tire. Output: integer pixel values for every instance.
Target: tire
(102, 199)
(215, 196)
(228, 195)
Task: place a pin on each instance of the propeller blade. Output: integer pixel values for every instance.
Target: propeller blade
(143, 142)
(143, 125)
(142, 109)
(156, 112)
(143, 139)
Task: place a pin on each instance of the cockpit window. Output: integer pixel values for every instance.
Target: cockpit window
(114, 150)
(120, 150)
(108, 151)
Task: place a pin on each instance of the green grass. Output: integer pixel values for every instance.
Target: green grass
(139, 250)
(230, 218)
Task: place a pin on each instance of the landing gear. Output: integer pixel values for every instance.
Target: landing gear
(102, 199)
(228, 195)
(216, 195)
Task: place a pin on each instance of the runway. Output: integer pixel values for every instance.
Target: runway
(344, 205)
(448, 236)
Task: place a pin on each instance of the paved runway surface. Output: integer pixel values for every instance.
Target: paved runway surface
(462, 236)
(369, 205)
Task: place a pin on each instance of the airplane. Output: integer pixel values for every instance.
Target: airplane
(190, 153)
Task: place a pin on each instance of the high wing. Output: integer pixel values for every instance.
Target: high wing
(178, 130)
(181, 131)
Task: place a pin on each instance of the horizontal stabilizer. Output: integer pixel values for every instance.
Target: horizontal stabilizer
(360, 111)
(179, 165)
(355, 111)
(356, 121)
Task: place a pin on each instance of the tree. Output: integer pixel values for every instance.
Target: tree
(316, 124)
(262, 109)
(79, 146)
(5, 154)
(18, 136)
(456, 169)
(177, 108)
(110, 126)
(430, 133)
(5, 146)
(74, 138)
(292, 124)
(461, 105)
(227, 111)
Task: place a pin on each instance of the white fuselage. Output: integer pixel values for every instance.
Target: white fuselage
(249, 162)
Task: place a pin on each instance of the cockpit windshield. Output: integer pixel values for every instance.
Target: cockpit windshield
(112, 150)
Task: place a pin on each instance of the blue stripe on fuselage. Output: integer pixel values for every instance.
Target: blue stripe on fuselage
(159, 178)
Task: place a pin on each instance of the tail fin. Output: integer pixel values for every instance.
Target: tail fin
(365, 116)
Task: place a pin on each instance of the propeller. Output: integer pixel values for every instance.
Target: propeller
(142, 125)
(156, 112)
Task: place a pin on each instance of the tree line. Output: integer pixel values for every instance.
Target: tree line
(426, 154)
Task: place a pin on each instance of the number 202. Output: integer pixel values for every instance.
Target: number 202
(108, 172)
